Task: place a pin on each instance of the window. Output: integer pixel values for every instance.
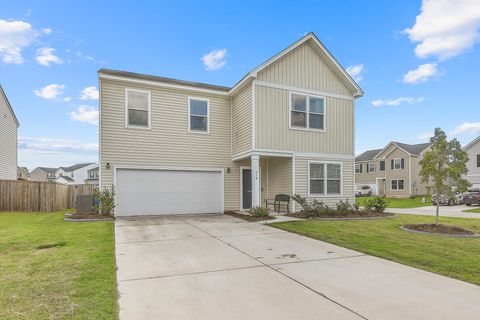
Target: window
(358, 168)
(138, 108)
(307, 112)
(371, 167)
(397, 164)
(92, 175)
(325, 178)
(382, 165)
(49, 175)
(398, 184)
(198, 115)
(478, 160)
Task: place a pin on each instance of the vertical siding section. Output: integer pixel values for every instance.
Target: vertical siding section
(8, 142)
(301, 180)
(242, 121)
(272, 111)
(304, 68)
(279, 176)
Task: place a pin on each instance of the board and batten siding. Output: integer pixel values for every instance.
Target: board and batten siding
(242, 121)
(272, 110)
(304, 68)
(279, 176)
(8, 142)
(167, 143)
(473, 175)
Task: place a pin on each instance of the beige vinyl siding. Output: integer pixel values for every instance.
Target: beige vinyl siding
(304, 68)
(301, 179)
(167, 143)
(368, 177)
(242, 120)
(400, 174)
(8, 142)
(279, 176)
(418, 188)
(473, 175)
(272, 112)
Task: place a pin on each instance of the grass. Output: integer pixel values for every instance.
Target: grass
(400, 202)
(52, 269)
(476, 210)
(453, 257)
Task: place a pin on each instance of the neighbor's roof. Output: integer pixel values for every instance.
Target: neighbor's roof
(93, 169)
(48, 170)
(75, 167)
(413, 149)
(66, 178)
(9, 105)
(310, 38)
(368, 155)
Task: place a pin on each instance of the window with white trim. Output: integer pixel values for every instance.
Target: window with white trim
(324, 178)
(398, 184)
(198, 113)
(358, 168)
(138, 108)
(307, 112)
(371, 167)
(397, 164)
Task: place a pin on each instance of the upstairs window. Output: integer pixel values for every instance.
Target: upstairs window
(198, 115)
(382, 165)
(371, 167)
(307, 112)
(324, 178)
(358, 168)
(398, 164)
(138, 108)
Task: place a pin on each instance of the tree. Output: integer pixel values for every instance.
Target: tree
(443, 167)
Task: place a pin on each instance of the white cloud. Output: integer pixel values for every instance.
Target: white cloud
(45, 56)
(466, 127)
(50, 92)
(85, 114)
(14, 36)
(445, 28)
(89, 93)
(422, 73)
(47, 30)
(67, 99)
(215, 60)
(397, 101)
(356, 72)
(53, 144)
(425, 136)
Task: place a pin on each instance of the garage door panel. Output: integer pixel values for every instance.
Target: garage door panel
(156, 192)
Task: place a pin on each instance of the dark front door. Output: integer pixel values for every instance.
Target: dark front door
(247, 188)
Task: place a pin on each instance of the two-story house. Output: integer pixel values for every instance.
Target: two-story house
(392, 171)
(92, 176)
(173, 146)
(8, 139)
(43, 174)
(473, 164)
(75, 174)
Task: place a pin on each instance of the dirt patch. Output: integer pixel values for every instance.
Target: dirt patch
(50, 245)
(88, 216)
(336, 215)
(439, 229)
(248, 217)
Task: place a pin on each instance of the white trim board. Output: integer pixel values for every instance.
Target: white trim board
(302, 90)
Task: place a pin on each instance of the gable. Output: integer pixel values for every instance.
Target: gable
(6, 108)
(390, 148)
(303, 67)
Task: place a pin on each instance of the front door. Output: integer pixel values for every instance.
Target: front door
(246, 188)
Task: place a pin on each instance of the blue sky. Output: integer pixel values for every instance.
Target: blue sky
(417, 62)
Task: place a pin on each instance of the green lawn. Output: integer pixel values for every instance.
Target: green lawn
(454, 257)
(475, 210)
(399, 203)
(75, 280)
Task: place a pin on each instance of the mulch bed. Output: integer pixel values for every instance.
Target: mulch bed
(248, 217)
(336, 215)
(88, 216)
(443, 229)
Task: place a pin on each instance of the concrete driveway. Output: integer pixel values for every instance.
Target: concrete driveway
(219, 267)
(445, 211)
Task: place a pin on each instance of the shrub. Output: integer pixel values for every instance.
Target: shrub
(377, 204)
(259, 212)
(344, 207)
(105, 201)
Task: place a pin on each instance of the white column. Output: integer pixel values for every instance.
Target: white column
(255, 165)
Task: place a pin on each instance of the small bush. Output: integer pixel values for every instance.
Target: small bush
(344, 207)
(105, 201)
(377, 204)
(412, 197)
(259, 212)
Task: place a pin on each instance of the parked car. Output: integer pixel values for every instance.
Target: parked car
(450, 200)
(363, 191)
(472, 196)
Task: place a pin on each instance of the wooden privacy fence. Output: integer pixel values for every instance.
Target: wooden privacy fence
(39, 196)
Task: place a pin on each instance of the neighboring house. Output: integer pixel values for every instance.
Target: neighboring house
(392, 171)
(473, 164)
(22, 173)
(93, 176)
(75, 174)
(173, 146)
(8, 139)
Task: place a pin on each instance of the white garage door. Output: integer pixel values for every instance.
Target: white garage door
(157, 192)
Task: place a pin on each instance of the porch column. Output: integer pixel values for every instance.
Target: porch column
(255, 165)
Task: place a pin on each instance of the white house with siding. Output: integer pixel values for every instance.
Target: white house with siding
(8, 139)
(287, 127)
(473, 164)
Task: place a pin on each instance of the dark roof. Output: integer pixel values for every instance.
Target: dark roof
(75, 167)
(414, 149)
(48, 170)
(66, 178)
(368, 155)
(93, 169)
(9, 105)
(147, 77)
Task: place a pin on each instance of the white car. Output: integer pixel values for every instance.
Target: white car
(363, 191)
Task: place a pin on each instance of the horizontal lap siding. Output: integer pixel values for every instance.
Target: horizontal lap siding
(242, 121)
(8, 142)
(167, 143)
(301, 179)
(473, 175)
